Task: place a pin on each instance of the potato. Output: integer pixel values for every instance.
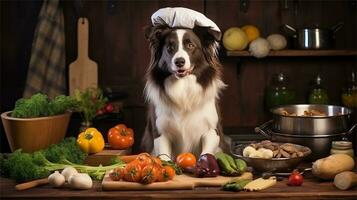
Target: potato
(327, 168)
(248, 150)
(267, 153)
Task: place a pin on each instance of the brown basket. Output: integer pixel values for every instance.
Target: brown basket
(32, 134)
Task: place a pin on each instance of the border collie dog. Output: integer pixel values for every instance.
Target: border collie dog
(183, 84)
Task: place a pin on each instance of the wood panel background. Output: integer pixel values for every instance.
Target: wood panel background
(118, 45)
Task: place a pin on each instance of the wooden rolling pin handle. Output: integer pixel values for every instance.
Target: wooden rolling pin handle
(31, 184)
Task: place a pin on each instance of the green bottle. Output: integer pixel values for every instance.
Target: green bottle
(278, 93)
(318, 94)
(349, 94)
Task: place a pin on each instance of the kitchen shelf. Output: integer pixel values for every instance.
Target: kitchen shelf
(297, 53)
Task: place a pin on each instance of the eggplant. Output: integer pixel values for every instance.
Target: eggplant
(207, 166)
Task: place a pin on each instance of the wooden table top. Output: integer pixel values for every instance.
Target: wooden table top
(311, 189)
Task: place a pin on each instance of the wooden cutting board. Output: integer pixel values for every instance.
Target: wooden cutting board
(83, 72)
(105, 157)
(180, 182)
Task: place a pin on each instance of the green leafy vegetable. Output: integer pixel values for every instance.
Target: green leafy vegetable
(39, 106)
(24, 166)
(88, 102)
(61, 104)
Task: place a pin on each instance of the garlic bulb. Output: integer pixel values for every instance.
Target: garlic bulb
(80, 181)
(68, 171)
(56, 179)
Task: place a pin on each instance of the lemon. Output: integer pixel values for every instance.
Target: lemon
(251, 31)
(235, 39)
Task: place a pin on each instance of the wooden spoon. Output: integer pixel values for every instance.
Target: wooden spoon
(31, 184)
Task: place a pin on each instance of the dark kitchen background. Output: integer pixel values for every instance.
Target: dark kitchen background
(118, 45)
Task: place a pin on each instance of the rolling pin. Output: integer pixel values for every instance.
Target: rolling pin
(31, 184)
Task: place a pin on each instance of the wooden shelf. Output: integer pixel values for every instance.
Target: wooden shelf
(297, 53)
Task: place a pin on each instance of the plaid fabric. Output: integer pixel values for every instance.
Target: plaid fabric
(47, 70)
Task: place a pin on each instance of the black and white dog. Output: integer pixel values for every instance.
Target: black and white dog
(182, 87)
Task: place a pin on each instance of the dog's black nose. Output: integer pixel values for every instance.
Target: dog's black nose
(180, 62)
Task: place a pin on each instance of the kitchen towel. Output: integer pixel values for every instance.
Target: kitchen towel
(184, 18)
(47, 69)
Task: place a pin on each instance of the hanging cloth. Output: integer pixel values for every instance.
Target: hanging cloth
(47, 69)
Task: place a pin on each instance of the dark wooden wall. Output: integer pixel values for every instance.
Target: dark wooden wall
(118, 45)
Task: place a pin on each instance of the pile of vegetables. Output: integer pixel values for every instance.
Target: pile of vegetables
(209, 165)
(230, 166)
(40, 106)
(25, 166)
(144, 169)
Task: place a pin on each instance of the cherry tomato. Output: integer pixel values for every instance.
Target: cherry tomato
(109, 108)
(132, 172)
(120, 137)
(150, 174)
(186, 160)
(295, 178)
(144, 159)
(157, 161)
(117, 174)
(169, 172)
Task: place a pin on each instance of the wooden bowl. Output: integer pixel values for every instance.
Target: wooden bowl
(32, 134)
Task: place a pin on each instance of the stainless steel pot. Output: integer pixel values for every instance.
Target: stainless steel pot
(314, 37)
(337, 119)
(320, 145)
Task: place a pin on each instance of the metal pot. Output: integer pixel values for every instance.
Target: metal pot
(336, 120)
(320, 145)
(314, 37)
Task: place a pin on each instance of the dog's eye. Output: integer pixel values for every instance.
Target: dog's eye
(170, 48)
(190, 45)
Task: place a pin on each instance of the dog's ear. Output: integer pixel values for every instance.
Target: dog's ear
(156, 33)
(207, 35)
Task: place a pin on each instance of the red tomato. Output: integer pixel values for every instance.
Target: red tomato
(120, 137)
(186, 160)
(117, 174)
(144, 159)
(132, 172)
(169, 172)
(109, 108)
(295, 178)
(150, 174)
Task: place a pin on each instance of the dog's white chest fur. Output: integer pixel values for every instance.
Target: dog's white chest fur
(190, 114)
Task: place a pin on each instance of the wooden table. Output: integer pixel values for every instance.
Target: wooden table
(311, 189)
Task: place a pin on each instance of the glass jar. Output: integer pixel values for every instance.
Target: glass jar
(342, 147)
(278, 93)
(318, 94)
(349, 94)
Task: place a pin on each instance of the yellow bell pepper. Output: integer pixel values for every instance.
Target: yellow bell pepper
(91, 141)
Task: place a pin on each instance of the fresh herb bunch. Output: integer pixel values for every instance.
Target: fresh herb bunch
(25, 166)
(40, 106)
(88, 102)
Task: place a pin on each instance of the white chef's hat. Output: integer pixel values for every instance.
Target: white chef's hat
(184, 18)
